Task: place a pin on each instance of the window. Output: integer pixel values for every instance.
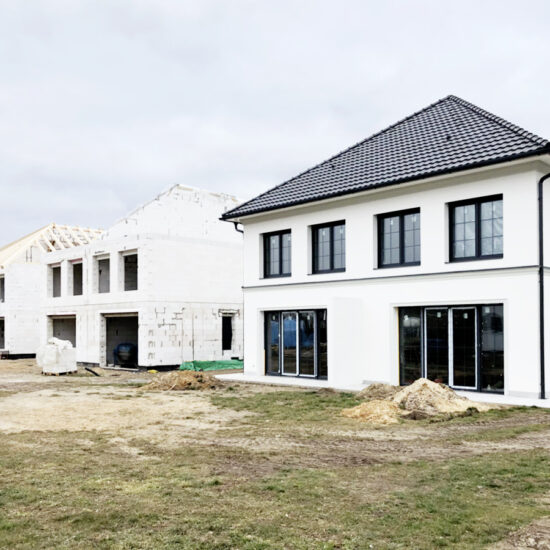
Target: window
(329, 247)
(399, 238)
(277, 249)
(296, 343)
(476, 229)
(2, 289)
(131, 272)
(103, 275)
(56, 281)
(77, 279)
(227, 332)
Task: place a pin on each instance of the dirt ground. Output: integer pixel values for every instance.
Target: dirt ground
(252, 432)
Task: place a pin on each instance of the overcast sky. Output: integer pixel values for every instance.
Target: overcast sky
(104, 104)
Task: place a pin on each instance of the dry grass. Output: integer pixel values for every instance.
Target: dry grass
(252, 467)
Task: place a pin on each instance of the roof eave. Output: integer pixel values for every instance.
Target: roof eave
(412, 180)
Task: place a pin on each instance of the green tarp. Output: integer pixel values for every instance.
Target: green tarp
(212, 365)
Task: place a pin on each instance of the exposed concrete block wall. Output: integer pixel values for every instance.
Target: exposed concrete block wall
(24, 285)
(189, 275)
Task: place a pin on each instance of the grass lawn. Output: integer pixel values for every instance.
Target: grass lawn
(289, 472)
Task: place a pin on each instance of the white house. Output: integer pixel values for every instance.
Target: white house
(22, 286)
(166, 279)
(417, 252)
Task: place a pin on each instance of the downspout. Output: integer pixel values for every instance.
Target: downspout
(541, 285)
(236, 224)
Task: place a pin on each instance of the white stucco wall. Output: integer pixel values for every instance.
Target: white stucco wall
(362, 302)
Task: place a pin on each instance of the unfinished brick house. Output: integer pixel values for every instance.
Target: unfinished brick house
(165, 280)
(22, 287)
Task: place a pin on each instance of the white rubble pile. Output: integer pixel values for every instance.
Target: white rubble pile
(56, 357)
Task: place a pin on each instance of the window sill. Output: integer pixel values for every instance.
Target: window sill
(393, 266)
(285, 276)
(325, 272)
(476, 259)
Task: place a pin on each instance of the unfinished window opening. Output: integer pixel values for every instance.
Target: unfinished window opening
(2, 334)
(122, 340)
(64, 328)
(296, 343)
(77, 279)
(227, 332)
(103, 275)
(131, 272)
(2, 289)
(56, 281)
(462, 346)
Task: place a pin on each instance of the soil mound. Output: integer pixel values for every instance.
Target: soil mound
(376, 411)
(378, 391)
(183, 380)
(422, 399)
(426, 398)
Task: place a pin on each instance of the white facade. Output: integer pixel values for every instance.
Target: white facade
(189, 276)
(362, 303)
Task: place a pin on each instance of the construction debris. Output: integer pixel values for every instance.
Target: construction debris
(56, 357)
(422, 399)
(183, 380)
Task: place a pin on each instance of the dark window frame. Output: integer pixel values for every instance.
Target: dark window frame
(477, 202)
(314, 241)
(480, 373)
(401, 214)
(318, 314)
(267, 253)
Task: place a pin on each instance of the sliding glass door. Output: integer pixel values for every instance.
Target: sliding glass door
(462, 346)
(436, 342)
(296, 343)
(290, 364)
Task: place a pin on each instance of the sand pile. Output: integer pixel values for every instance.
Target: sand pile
(430, 399)
(183, 380)
(422, 399)
(376, 411)
(378, 391)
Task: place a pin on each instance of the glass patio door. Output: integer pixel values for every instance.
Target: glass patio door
(464, 347)
(436, 344)
(290, 323)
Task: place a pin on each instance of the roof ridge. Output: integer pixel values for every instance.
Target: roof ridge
(372, 136)
(502, 122)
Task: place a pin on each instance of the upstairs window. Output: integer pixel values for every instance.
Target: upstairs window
(56, 281)
(130, 272)
(476, 229)
(2, 289)
(329, 247)
(399, 238)
(77, 279)
(277, 249)
(103, 275)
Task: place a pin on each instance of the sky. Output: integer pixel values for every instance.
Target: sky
(106, 103)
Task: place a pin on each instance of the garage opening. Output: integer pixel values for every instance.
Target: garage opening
(122, 340)
(64, 328)
(2, 334)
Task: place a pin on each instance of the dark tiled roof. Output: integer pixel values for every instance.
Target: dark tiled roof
(448, 136)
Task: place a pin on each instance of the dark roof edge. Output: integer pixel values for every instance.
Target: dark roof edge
(502, 122)
(545, 148)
